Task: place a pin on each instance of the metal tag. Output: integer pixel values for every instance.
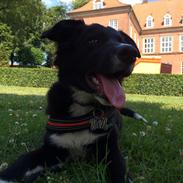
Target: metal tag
(99, 123)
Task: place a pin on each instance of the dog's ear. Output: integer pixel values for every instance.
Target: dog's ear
(64, 30)
(129, 40)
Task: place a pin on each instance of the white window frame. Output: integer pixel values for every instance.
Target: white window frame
(167, 20)
(181, 43)
(149, 22)
(166, 44)
(113, 23)
(98, 5)
(148, 45)
(181, 67)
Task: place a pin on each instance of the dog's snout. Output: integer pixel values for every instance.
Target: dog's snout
(127, 51)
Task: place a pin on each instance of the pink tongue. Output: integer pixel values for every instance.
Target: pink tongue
(113, 91)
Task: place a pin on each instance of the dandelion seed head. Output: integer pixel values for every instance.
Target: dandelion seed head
(16, 123)
(142, 133)
(34, 115)
(167, 129)
(148, 127)
(134, 134)
(11, 141)
(155, 123)
(10, 110)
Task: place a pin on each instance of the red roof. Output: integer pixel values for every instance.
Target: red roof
(158, 10)
(107, 4)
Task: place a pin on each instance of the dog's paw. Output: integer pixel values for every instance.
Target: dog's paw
(139, 117)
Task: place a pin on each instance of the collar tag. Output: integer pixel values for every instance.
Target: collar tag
(99, 122)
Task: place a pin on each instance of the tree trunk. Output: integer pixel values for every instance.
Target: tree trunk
(12, 57)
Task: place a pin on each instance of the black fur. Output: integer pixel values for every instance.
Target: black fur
(82, 51)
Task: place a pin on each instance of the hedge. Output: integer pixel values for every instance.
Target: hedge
(30, 77)
(154, 84)
(147, 84)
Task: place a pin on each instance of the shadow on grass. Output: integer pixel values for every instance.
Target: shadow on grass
(22, 124)
(153, 151)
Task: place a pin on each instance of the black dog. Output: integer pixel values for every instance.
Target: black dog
(84, 105)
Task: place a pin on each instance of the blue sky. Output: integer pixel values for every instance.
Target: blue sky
(50, 3)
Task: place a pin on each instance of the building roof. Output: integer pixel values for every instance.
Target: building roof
(157, 10)
(107, 4)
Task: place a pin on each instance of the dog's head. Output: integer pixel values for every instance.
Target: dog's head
(93, 59)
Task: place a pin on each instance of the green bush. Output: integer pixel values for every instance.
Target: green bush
(154, 84)
(145, 84)
(29, 55)
(30, 77)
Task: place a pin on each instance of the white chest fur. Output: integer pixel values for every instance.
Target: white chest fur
(74, 140)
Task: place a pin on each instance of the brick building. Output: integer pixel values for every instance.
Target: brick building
(156, 27)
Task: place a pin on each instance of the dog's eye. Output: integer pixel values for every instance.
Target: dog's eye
(93, 42)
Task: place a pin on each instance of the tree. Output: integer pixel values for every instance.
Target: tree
(6, 43)
(52, 16)
(79, 3)
(6, 4)
(25, 19)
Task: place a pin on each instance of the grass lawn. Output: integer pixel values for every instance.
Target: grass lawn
(154, 151)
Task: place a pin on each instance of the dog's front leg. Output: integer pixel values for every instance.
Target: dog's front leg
(116, 161)
(30, 166)
(116, 166)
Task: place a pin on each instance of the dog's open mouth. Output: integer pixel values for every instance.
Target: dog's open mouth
(109, 88)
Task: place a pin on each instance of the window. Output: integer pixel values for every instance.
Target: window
(181, 20)
(166, 44)
(98, 4)
(149, 22)
(181, 43)
(148, 45)
(181, 67)
(167, 20)
(113, 23)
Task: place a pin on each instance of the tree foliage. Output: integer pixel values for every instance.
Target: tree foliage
(79, 3)
(6, 43)
(30, 56)
(52, 16)
(24, 17)
(26, 20)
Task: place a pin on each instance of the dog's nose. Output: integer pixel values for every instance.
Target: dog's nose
(127, 52)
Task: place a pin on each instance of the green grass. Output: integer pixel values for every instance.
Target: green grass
(154, 151)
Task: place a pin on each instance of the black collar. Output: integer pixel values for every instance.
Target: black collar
(97, 121)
